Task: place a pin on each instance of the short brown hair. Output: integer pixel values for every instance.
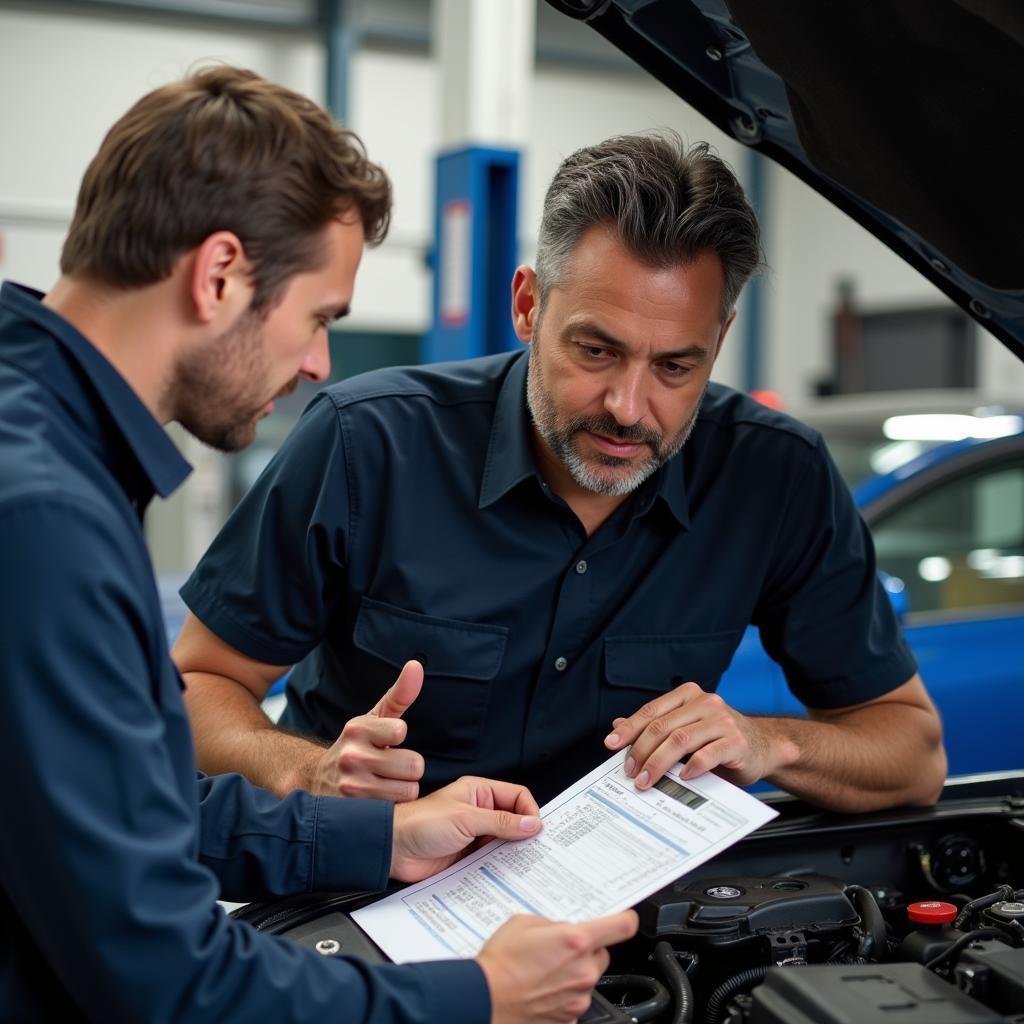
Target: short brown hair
(665, 202)
(224, 149)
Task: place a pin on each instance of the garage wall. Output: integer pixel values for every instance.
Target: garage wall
(812, 247)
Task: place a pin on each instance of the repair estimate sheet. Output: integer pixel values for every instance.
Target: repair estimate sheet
(604, 847)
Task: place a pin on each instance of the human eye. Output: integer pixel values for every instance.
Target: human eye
(674, 370)
(592, 353)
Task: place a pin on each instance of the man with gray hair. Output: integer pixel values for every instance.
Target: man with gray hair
(561, 548)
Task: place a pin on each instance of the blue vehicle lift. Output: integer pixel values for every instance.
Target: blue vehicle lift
(475, 253)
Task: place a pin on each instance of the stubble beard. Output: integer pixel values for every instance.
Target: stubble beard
(221, 390)
(561, 438)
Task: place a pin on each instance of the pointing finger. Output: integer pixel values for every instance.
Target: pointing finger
(401, 695)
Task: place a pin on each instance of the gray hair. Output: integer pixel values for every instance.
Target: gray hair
(667, 204)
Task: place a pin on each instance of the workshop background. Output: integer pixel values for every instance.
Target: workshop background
(417, 78)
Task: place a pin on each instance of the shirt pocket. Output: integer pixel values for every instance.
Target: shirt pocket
(639, 668)
(460, 660)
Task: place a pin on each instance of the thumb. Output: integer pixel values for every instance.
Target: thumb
(480, 821)
(608, 931)
(403, 692)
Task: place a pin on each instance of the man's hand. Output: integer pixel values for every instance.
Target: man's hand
(689, 722)
(362, 762)
(431, 833)
(538, 971)
(885, 752)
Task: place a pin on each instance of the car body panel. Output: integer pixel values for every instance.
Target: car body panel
(971, 660)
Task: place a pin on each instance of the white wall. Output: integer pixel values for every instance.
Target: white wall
(65, 78)
(812, 246)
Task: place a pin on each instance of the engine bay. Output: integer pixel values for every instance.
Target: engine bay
(914, 915)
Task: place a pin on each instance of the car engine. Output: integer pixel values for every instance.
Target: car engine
(910, 916)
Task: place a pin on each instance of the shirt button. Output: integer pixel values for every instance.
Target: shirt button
(581, 566)
(560, 664)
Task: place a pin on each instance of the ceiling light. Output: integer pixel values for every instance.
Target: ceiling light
(949, 427)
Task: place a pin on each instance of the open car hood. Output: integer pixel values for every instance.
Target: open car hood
(906, 114)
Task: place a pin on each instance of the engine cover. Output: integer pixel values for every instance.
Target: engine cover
(867, 994)
(723, 911)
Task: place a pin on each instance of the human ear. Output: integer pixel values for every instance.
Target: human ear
(219, 286)
(525, 303)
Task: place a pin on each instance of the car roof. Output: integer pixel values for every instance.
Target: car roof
(906, 114)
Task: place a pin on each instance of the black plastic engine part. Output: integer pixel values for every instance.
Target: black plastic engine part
(867, 994)
(726, 911)
(321, 922)
(925, 943)
(993, 973)
(1004, 913)
(957, 861)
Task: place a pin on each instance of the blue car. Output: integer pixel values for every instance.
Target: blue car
(948, 526)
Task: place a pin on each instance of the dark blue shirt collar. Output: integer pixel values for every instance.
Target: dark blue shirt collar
(510, 457)
(160, 461)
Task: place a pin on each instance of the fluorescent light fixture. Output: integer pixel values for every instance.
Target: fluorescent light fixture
(990, 564)
(997, 426)
(950, 427)
(934, 569)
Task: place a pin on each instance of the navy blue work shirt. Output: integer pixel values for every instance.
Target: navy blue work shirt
(405, 517)
(112, 851)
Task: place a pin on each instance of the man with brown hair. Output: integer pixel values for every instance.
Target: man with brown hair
(570, 539)
(217, 233)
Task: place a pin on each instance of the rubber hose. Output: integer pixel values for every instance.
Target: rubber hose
(872, 920)
(677, 980)
(657, 1001)
(1004, 892)
(729, 988)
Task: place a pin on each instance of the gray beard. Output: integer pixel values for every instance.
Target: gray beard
(562, 440)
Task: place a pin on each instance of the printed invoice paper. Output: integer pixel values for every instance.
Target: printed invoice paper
(604, 847)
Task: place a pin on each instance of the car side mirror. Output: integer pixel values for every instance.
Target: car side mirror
(897, 591)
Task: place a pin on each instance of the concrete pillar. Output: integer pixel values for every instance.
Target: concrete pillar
(484, 49)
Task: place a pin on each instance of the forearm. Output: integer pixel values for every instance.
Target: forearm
(872, 757)
(231, 733)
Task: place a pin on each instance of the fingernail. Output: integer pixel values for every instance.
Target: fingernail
(630, 766)
(612, 739)
(643, 779)
(529, 823)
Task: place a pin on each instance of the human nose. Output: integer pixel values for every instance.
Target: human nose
(626, 397)
(317, 364)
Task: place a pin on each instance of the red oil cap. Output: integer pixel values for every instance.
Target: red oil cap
(932, 912)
